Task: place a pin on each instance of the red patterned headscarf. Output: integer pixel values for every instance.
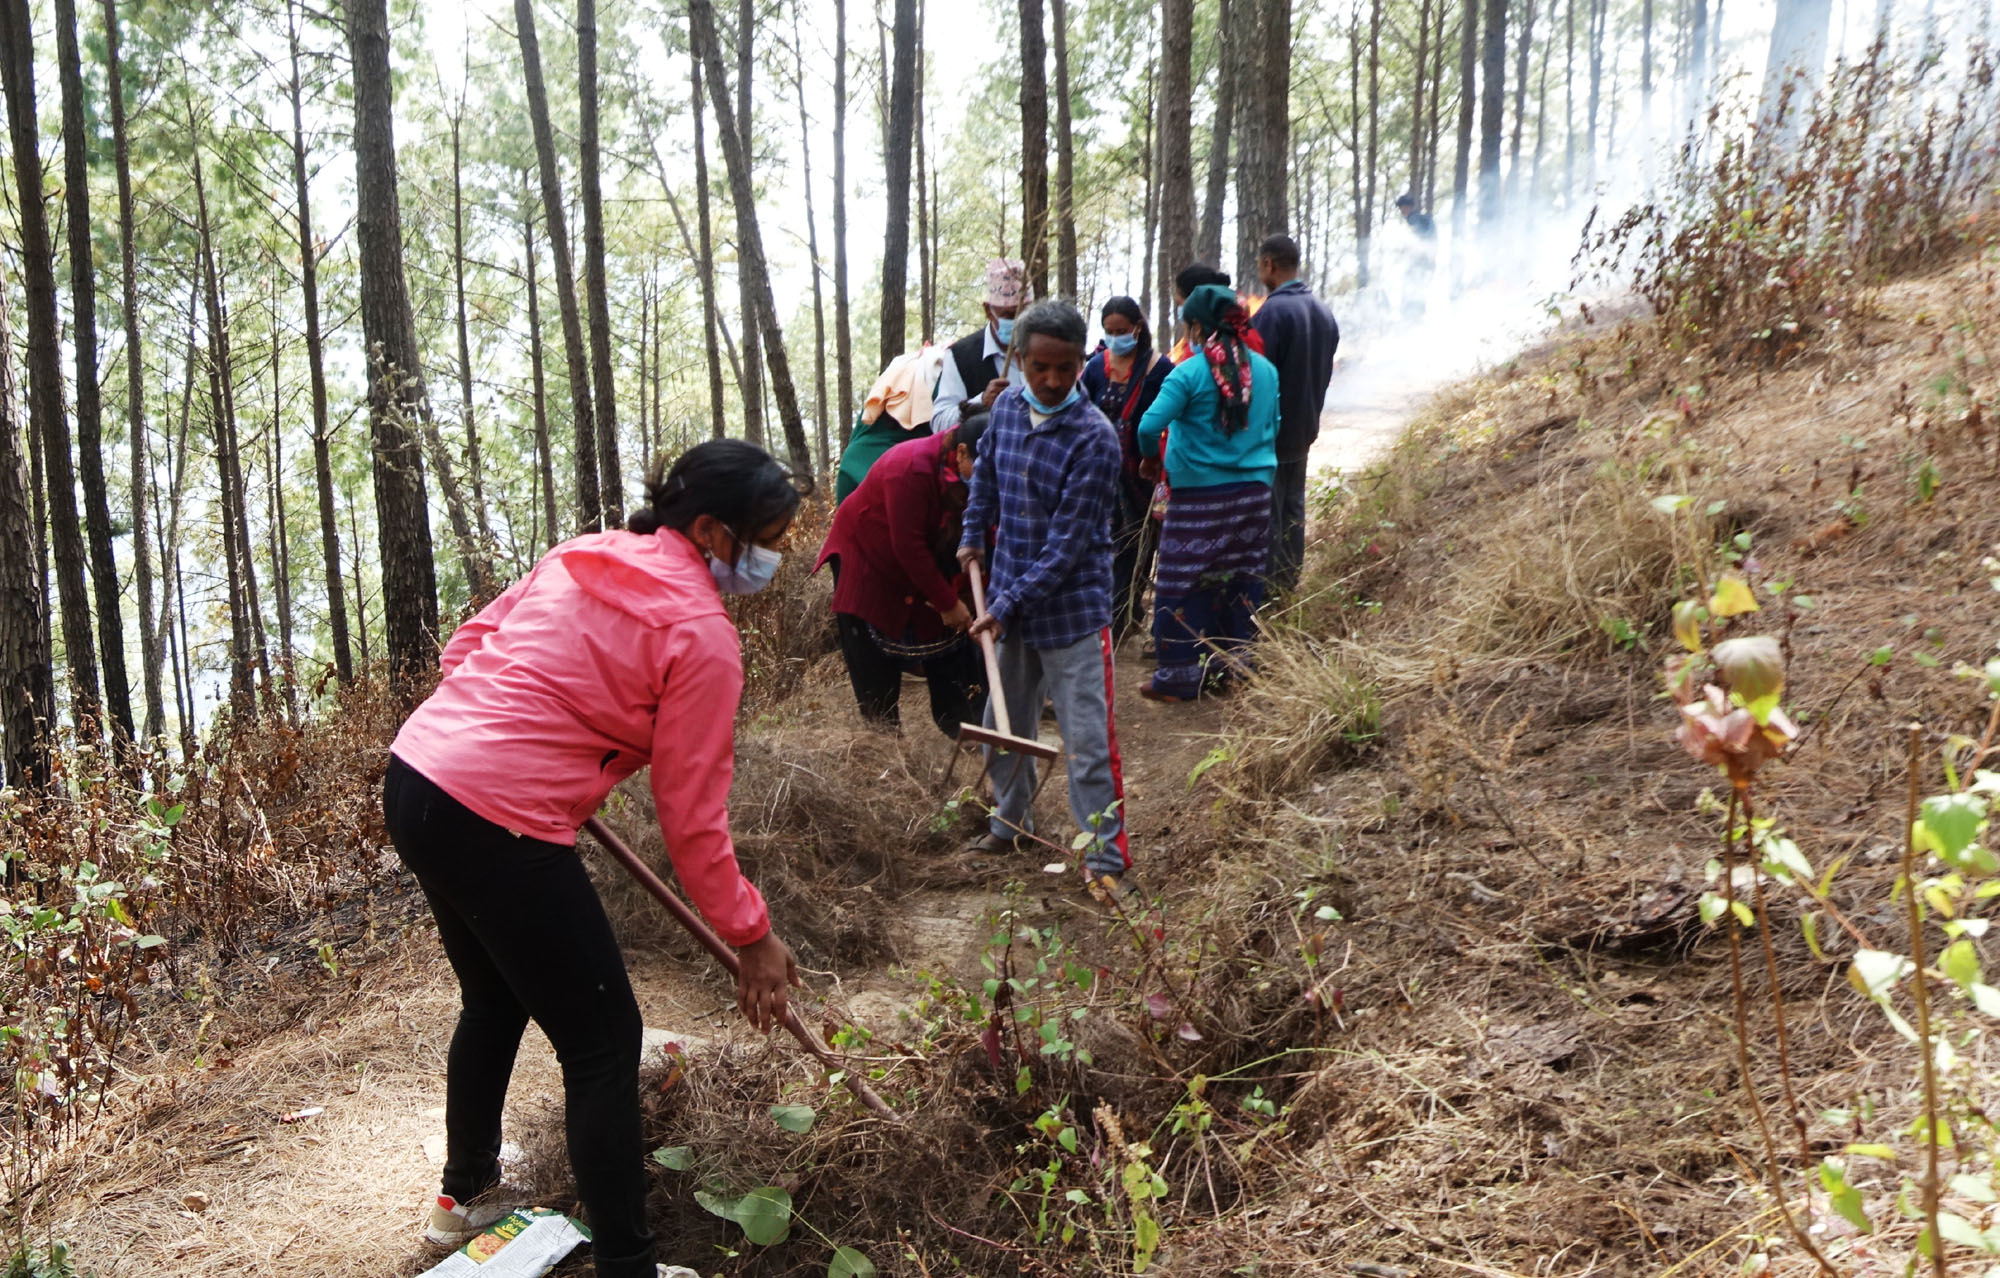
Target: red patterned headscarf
(1225, 327)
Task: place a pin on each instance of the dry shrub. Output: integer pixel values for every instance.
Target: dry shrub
(1575, 562)
(832, 822)
(1312, 705)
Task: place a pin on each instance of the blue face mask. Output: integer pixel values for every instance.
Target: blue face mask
(751, 573)
(1048, 410)
(1003, 329)
(1122, 343)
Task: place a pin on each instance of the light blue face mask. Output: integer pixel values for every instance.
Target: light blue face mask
(1122, 343)
(1044, 409)
(1003, 329)
(751, 573)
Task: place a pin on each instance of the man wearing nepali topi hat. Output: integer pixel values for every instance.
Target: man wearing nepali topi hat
(978, 367)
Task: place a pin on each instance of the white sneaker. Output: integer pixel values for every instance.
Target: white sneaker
(676, 1271)
(453, 1224)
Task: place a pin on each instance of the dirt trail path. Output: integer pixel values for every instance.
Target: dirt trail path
(213, 1183)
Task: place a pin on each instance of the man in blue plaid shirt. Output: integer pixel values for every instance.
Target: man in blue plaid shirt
(1043, 485)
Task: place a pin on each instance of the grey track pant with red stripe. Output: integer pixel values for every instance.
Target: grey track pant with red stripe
(1077, 678)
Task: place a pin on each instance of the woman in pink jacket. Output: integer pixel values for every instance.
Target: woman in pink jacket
(613, 653)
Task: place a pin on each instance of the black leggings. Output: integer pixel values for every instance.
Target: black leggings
(956, 679)
(526, 935)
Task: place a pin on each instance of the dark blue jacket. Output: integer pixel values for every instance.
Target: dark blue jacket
(1300, 337)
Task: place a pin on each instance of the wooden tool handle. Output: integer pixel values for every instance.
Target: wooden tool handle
(688, 919)
(994, 696)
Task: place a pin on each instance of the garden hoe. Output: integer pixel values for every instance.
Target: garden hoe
(1001, 735)
(727, 957)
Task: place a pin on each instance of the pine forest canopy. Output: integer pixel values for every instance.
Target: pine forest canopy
(381, 301)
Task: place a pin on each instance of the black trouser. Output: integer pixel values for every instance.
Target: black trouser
(957, 685)
(526, 935)
(1288, 525)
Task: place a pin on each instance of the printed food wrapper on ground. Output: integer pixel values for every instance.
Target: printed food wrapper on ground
(522, 1244)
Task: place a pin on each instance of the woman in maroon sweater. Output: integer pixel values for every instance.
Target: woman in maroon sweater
(896, 583)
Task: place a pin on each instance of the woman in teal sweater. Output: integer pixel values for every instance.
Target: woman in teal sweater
(1219, 413)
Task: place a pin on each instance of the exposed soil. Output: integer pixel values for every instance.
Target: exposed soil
(1521, 1061)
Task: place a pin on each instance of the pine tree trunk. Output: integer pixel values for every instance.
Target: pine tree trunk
(750, 243)
(1263, 173)
(897, 128)
(395, 382)
(486, 543)
(821, 438)
(1694, 81)
(1365, 229)
(1066, 270)
(587, 505)
(1521, 48)
(1596, 55)
(1569, 100)
(610, 473)
(1468, 64)
(242, 682)
(135, 386)
(1361, 202)
(1541, 115)
(1416, 185)
(280, 536)
(89, 393)
(926, 210)
(1034, 148)
(1428, 197)
(843, 330)
(329, 527)
(1229, 55)
(704, 263)
(1149, 177)
(27, 690)
(750, 375)
(1176, 142)
(544, 450)
(1492, 104)
(46, 420)
(170, 545)
(1792, 69)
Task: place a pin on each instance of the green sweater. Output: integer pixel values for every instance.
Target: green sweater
(1199, 453)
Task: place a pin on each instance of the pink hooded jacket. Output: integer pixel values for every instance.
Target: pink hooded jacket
(614, 652)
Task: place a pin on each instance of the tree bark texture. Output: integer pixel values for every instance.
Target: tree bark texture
(587, 503)
(1176, 144)
(1468, 66)
(395, 384)
(1264, 156)
(1034, 148)
(486, 544)
(1066, 269)
(750, 243)
(610, 473)
(1229, 53)
(538, 386)
(329, 526)
(843, 328)
(1492, 105)
(897, 129)
(89, 394)
(1521, 49)
(750, 374)
(46, 419)
(135, 387)
(820, 407)
(27, 689)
